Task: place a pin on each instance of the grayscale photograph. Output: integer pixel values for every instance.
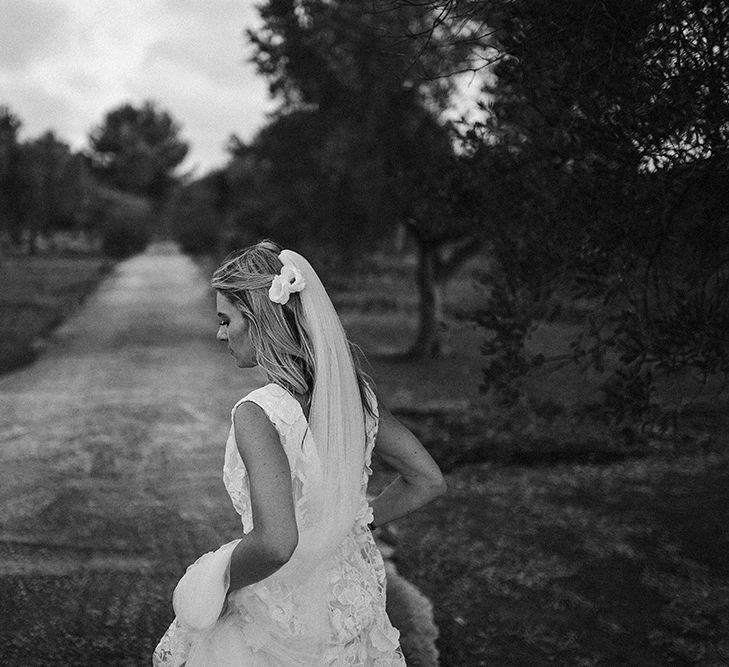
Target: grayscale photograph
(364, 333)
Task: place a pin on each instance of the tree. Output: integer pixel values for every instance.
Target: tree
(137, 149)
(53, 186)
(435, 195)
(44, 185)
(197, 211)
(377, 156)
(120, 220)
(10, 210)
(607, 155)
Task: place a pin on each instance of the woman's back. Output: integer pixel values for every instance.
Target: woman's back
(314, 610)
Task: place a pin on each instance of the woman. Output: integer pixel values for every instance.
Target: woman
(305, 585)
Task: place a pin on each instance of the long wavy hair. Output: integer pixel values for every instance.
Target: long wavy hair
(278, 333)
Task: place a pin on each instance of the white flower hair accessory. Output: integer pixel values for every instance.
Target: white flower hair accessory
(287, 281)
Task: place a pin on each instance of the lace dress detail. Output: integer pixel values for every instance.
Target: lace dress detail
(269, 623)
(287, 417)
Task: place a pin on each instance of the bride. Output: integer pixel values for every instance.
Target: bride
(305, 584)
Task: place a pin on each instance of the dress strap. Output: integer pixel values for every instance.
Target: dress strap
(282, 409)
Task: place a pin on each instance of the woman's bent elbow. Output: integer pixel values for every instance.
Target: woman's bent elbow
(440, 486)
(282, 550)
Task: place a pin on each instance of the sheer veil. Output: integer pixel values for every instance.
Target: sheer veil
(336, 416)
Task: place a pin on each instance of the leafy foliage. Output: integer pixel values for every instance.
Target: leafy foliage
(196, 214)
(10, 211)
(137, 149)
(607, 156)
(122, 220)
(54, 184)
(45, 185)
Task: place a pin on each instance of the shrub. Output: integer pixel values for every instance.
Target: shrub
(122, 221)
(197, 232)
(124, 237)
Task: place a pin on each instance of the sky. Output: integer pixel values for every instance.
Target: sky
(65, 63)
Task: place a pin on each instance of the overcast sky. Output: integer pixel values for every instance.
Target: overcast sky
(65, 63)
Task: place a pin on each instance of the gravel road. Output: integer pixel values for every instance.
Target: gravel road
(111, 450)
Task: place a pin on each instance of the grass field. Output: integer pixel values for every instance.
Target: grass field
(36, 294)
(620, 564)
(564, 547)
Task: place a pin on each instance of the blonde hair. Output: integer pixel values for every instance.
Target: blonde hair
(278, 334)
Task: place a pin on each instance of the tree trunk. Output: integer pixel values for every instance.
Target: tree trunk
(428, 342)
(438, 262)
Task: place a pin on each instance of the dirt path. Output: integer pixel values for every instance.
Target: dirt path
(110, 480)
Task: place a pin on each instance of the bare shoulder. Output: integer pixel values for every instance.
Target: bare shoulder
(254, 432)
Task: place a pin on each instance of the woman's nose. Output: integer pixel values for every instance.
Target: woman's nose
(222, 335)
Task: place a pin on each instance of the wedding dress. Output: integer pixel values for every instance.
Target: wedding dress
(277, 622)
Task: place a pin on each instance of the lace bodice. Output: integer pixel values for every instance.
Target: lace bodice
(288, 418)
(272, 618)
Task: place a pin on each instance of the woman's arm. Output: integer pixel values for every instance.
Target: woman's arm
(275, 535)
(420, 480)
